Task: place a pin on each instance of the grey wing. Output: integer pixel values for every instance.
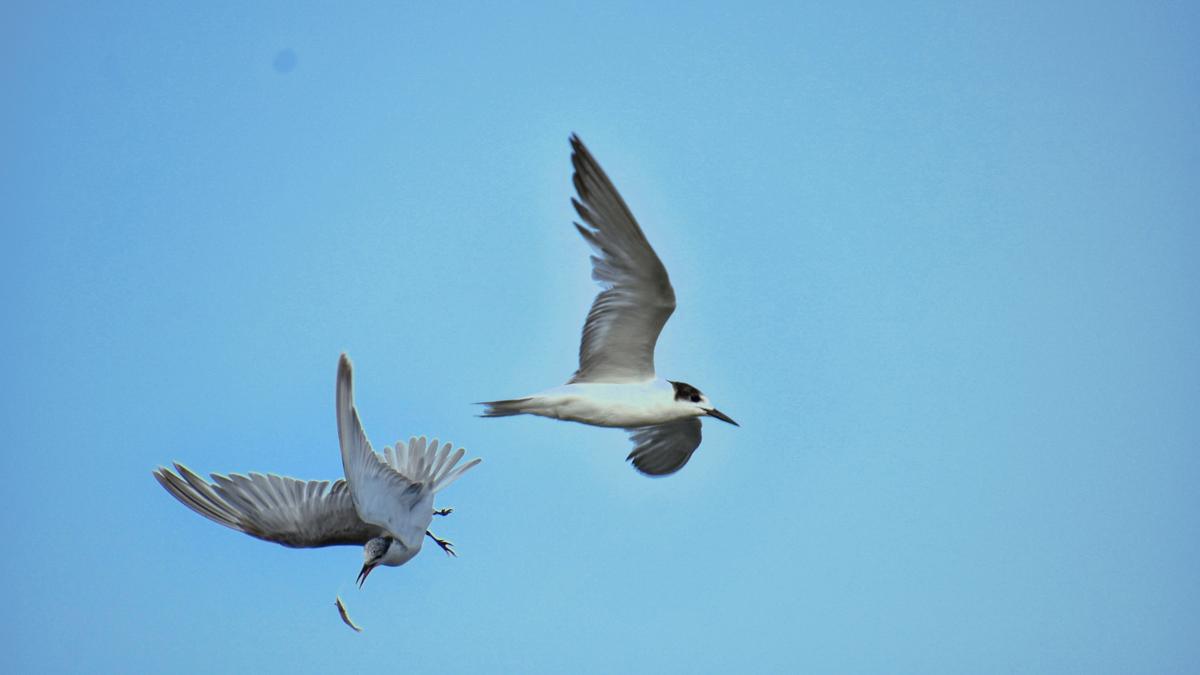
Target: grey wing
(296, 513)
(382, 495)
(424, 462)
(628, 315)
(664, 448)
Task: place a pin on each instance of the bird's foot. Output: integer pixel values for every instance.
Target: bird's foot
(446, 546)
(442, 512)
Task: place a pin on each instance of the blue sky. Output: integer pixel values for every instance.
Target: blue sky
(939, 261)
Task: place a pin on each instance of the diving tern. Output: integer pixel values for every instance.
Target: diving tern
(615, 385)
(384, 504)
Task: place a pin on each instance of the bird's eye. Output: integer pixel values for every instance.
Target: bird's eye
(695, 398)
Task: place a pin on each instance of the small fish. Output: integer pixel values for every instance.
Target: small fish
(345, 617)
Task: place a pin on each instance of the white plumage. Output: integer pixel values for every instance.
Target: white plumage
(615, 384)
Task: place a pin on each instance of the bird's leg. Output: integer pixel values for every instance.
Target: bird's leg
(446, 546)
(442, 512)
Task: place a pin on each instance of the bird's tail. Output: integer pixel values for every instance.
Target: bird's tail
(424, 462)
(506, 408)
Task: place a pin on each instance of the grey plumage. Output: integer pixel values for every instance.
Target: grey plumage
(380, 496)
(664, 448)
(623, 324)
(505, 408)
(295, 513)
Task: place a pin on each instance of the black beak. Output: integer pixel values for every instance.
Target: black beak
(722, 416)
(362, 575)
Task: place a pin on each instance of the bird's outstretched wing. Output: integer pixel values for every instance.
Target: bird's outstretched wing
(296, 513)
(664, 448)
(395, 493)
(627, 316)
(423, 462)
(381, 494)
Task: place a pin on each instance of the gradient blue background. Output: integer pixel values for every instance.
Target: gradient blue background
(941, 263)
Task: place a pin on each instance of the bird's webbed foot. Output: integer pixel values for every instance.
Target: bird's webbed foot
(446, 546)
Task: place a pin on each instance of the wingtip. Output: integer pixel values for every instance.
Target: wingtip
(648, 468)
(161, 477)
(345, 384)
(579, 151)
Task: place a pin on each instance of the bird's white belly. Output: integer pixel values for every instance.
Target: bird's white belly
(608, 405)
(397, 553)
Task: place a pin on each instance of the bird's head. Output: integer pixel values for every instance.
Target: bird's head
(697, 403)
(373, 552)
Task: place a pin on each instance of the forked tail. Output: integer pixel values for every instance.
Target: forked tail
(508, 408)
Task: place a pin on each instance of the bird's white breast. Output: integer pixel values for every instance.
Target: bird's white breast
(398, 554)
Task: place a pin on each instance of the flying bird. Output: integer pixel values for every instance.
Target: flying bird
(384, 504)
(615, 385)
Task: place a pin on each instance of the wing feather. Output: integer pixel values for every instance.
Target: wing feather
(664, 448)
(393, 493)
(299, 514)
(626, 318)
(381, 495)
(442, 470)
(450, 476)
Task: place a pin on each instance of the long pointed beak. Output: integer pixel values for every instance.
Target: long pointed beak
(362, 575)
(722, 416)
